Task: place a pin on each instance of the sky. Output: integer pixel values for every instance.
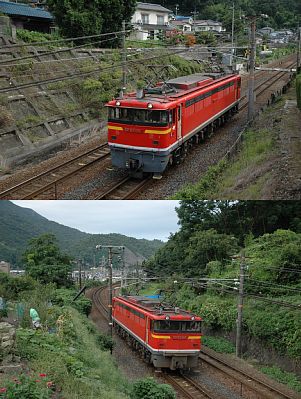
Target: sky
(139, 219)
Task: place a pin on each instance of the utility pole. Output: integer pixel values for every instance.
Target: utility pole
(177, 9)
(124, 56)
(110, 265)
(252, 71)
(232, 34)
(80, 273)
(110, 291)
(122, 268)
(299, 51)
(240, 304)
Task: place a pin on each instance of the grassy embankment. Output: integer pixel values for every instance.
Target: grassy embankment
(255, 167)
(68, 358)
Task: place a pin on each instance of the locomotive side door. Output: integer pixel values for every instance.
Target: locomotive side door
(179, 121)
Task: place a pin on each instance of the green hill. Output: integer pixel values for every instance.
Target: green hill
(19, 225)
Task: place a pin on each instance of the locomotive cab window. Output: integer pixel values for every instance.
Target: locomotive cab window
(139, 116)
(176, 326)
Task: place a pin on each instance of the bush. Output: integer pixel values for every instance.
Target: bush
(148, 388)
(26, 387)
(284, 377)
(220, 345)
(64, 297)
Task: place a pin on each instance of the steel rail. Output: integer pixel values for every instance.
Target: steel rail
(243, 377)
(51, 171)
(269, 82)
(188, 387)
(126, 192)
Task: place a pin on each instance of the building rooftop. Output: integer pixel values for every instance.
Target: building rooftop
(6, 7)
(207, 22)
(152, 7)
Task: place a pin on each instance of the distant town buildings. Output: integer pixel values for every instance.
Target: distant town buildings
(152, 21)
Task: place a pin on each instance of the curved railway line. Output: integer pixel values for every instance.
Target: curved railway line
(245, 379)
(46, 184)
(191, 389)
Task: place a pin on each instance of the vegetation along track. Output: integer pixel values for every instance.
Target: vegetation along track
(46, 183)
(250, 382)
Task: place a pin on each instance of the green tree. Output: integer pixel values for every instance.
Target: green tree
(271, 253)
(82, 18)
(45, 262)
(207, 246)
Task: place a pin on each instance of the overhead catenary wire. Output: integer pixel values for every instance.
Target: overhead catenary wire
(60, 50)
(256, 296)
(69, 39)
(37, 64)
(272, 285)
(278, 268)
(79, 74)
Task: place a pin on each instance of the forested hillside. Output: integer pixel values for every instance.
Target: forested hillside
(19, 225)
(213, 231)
(282, 13)
(200, 266)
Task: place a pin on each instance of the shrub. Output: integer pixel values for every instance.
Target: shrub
(26, 387)
(284, 377)
(148, 388)
(220, 345)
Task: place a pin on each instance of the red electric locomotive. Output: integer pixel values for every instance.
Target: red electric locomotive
(167, 337)
(147, 132)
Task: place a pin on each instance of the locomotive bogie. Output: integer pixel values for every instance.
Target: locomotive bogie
(135, 160)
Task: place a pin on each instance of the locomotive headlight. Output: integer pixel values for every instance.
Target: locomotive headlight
(118, 103)
(167, 317)
(149, 106)
(192, 318)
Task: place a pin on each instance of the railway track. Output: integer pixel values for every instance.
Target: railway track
(125, 189)
(245, 379)
(184, 384)
(262, 87)
(47, 182)
(192, 389)
(188, 387)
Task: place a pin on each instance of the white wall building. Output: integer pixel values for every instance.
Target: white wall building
(149, 20)
(207, 26)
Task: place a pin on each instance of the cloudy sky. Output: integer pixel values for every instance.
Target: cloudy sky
(140, 219)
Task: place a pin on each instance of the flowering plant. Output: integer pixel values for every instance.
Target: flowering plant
(27, 387)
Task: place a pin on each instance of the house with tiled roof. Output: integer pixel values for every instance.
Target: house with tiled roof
(25, 16)
(207, 26)
(150, 21)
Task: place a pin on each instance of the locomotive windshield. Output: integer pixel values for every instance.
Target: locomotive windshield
(176, 326)
(138, 116)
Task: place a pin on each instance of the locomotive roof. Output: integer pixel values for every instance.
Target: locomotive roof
(173, 90)
(156, 308)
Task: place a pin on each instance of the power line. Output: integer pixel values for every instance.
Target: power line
(273, 286)
(278, 268)
(79, 74)
(69, 39)
(55, 51)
